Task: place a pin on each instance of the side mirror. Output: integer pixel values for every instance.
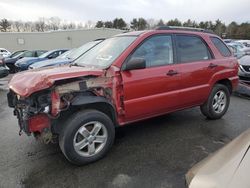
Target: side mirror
(135, 63)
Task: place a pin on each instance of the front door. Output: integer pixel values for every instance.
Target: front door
(154, 90)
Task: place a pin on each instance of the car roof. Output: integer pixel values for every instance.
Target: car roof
(170, 29)
(35, 50)
(132, 33)
(58, 50)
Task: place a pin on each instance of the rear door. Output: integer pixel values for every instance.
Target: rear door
(153, 90)
(196, 65)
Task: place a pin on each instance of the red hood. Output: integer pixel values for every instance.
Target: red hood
(28, 82)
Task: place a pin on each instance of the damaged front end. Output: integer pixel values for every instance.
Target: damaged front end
(40, 112)
(33, 113)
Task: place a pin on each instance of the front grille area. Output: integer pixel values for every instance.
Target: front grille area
(244, 79)
(246, 68)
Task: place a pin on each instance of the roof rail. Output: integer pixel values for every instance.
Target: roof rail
(184, 29)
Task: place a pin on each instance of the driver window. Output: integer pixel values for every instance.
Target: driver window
(156, 51)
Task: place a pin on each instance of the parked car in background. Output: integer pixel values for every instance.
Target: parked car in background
(245, 42)
(126, 78)
(229, 167)
(16, 53)
(4, 70)
(240, 46)
(244, 69)
(10, 61)
(228, 40)
(237, 50)
(70, 57)
(4, 53)
(244, 62)
(24, 63)
(60, 60)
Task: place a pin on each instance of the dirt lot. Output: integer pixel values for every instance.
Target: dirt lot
(153, 153)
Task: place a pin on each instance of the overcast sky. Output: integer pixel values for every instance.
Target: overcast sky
(84, 10)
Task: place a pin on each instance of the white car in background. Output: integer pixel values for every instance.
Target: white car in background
(244, 61)
(4, 52)
(245, 42)
(240, 46)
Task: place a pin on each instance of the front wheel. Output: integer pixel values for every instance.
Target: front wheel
(218, 102)
(87, 137)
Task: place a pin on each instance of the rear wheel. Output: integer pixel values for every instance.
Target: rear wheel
(217, 104)
(87, 137)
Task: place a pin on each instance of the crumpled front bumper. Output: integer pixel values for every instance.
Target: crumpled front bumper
(28, 123)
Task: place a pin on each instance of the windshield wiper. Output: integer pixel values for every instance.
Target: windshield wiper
(75, 64)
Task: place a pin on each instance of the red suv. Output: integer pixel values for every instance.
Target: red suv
(124, 79)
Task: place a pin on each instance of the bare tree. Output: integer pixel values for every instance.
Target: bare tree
(80, 25)
(152, 23)
(18, 25)
(90, 24)
(71, 25)
(40, 25)
(54, 23)
(64, 26)
(4, 25)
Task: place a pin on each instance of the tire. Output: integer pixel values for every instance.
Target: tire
(12, 68)
(211, 108)
(84, 131)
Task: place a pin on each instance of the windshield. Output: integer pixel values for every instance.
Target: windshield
(65, 54)
(16, 53)
(44, 55)
(106, 52)
(25, 54)
(82, 49)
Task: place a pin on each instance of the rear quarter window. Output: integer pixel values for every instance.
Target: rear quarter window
(223, 49)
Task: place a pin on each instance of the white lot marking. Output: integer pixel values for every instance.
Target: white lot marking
(121, 180)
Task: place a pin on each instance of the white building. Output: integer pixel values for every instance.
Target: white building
(54, 39)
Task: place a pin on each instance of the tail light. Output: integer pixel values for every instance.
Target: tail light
(1, 62)
(55, 103)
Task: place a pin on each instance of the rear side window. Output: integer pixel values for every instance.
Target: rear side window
(223, 49)
(191, 48)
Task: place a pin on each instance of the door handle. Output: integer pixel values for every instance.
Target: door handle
(211, 65)
(172, 72)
